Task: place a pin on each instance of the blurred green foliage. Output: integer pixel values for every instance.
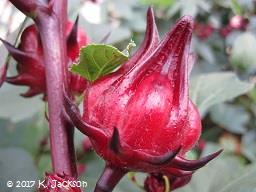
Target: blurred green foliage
(222, 86)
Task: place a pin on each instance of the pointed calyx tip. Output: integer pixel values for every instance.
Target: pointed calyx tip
(150, 11)
(115, 142)
(17, 54)
(151, 20)
(72, 37)
(187, 21)
(188, 18)
(191, 165)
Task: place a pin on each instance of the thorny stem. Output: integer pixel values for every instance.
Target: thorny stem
(52, 29)
(51, 21)
(109, 178)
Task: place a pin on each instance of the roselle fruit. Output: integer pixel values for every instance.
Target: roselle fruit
(140, 117)
(225, 31)
(178, 182)
(30, 64)
(156, 182)
(238, 22)
(203, 31)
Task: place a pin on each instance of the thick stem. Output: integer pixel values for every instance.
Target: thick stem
(52, 32)
(26, 7)
(51, 20)
(109, 178)
(60, 9)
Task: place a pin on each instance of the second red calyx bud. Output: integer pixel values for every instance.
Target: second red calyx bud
(30, 63)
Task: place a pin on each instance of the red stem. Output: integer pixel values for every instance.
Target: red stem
(27, 7)
(60, 8)
(109, 178)
(51, 19)
(52, 33)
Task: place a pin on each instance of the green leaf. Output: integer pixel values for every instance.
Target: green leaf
(97, 60)
(236, 7)
(126, 185)
(245, 183)
(243, 53)
(26, 134)
(93, 171)
(252, 95)
(14, 106)
(216, 174)
(222, 114)
(213, 88)
(189, 7)
(249, 145)
(44, 164)
(164, 3)
(206, 52)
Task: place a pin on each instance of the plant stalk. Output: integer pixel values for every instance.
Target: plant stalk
(52, 25)
(51, 20)
(109, 178)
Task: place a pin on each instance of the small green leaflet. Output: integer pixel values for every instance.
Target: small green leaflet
(236, 7)
(97, 60)
(163, 3)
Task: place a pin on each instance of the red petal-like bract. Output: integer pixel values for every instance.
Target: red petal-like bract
(30, 64)
(140, 117)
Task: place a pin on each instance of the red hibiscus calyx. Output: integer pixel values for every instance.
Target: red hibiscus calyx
(140, 118)
(203, 31)
(239, 22)
(30, 64)
(154, 183)
(236, 22)
(162, 183)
